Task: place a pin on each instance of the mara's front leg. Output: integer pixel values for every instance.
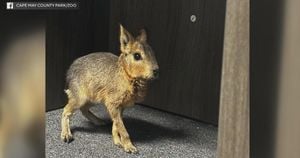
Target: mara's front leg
(119, 132)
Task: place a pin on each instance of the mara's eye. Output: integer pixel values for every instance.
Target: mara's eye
(137, 56)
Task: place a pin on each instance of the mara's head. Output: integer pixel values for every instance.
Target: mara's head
(137, 57)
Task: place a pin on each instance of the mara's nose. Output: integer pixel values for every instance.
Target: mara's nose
(156, 73)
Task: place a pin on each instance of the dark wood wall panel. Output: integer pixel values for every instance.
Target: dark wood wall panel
(189, 54)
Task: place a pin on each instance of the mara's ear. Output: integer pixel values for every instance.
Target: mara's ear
(125, 37)
(143, 36)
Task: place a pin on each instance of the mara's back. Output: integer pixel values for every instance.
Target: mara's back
(92, 70)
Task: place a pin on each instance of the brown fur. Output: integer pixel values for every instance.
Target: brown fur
(116, 82)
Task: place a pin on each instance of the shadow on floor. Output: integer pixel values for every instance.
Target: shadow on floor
(139, 130)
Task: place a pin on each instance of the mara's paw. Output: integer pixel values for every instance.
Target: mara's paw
(66, 137)
(117, 142)
(130, 148)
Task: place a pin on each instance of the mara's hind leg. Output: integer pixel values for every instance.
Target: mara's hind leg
(73, 104)
(69, 109)
(85, 110)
